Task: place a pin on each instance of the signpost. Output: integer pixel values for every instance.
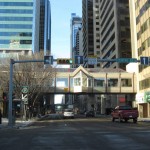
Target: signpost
(25, 94)
(48, 60)
(144, 60)
(79, 60)
(92, 60)
(126, 60)
(24, 99)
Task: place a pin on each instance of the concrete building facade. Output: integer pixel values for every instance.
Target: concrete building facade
(115, 40)
(140, 27)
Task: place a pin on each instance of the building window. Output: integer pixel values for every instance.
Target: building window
(97, 17)
(98, 52)
(97, 46)
(144, 45)
(144, 84)
(148, 42)
(97, 29)
(97, 40)
(97, 35)
(96, 6)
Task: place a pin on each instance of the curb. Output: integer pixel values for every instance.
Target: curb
(17, 125)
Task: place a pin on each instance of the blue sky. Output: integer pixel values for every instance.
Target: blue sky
(60, 27)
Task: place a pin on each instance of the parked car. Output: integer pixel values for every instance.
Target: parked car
(68, 113)
(125, 113)
(90, 113)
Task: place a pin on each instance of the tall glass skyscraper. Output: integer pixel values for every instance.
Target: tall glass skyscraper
(21, 26)
(45, 26)
(75, 24)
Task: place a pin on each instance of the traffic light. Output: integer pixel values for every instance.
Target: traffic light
(64, 61)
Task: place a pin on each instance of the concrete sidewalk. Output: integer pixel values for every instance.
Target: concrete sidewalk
(144, 119)
(17, 124)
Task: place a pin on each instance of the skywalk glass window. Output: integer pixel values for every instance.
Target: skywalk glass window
(62, 82)
(126, 82)
(112, 82)
(89, 82)
(99, 82)
(71, 82)
(77, 81)
(84, 82)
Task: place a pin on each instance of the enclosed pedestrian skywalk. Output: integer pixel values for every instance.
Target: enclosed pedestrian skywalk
(93, 80)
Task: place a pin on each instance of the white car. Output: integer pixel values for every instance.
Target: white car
(68, 113)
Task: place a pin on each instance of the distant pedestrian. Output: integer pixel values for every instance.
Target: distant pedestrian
(0, 117)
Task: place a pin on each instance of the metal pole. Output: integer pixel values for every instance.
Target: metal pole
(10, 121)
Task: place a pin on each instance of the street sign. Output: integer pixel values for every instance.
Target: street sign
(48, 60)
(24, 96)
(126, 60)
(144, 60)
(78, 59)
(24, 89)
(92, 60)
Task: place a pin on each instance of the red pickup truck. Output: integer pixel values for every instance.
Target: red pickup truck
(125, 113)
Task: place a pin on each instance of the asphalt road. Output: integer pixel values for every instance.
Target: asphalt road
(77, 134)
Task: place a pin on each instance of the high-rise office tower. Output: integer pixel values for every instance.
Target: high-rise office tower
(96, 29)
(79, 45)
(87, 27)
(106, 31)
(75, 25)
(21, 25)
(115, 40)
(45, 27)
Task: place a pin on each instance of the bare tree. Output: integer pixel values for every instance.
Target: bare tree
(38, 77)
